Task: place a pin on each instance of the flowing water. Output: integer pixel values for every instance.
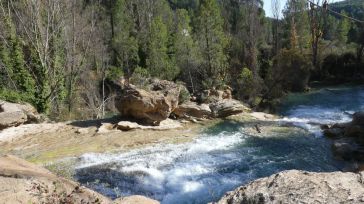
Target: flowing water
(227, 155)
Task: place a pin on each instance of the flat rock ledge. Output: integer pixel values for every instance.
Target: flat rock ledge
(164, 125)
(300, 187)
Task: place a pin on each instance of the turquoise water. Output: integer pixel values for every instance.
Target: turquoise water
(227, 155)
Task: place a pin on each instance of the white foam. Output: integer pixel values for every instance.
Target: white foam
(311, 117)
(189, 163)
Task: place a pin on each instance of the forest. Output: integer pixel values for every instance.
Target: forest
(65, 56)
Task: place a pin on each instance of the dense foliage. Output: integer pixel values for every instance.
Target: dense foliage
(62, 55)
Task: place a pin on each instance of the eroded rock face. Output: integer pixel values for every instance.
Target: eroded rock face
(151, 106)
(23, 182)
(227, 107)
(300, 187)
(13, 114)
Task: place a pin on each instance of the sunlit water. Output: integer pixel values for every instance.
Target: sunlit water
(227, 155)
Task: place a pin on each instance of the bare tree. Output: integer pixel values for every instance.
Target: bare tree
(276, 10)
(317, 14)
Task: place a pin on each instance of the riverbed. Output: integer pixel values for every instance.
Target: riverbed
(227, 155)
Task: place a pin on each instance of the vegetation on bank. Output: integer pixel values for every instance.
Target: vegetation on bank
(64, 56)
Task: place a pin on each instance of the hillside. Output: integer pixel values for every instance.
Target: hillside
(355, 8)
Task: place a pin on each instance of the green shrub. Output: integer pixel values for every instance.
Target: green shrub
(15, 96)
(290, 73)
(114, 73)
(184, 94)
(246, 83)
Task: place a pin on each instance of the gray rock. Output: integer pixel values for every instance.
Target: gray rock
(164, 125)
(13, 114)
(354, 131)
(300, 187)
(227, 107)
(358, 118)
(192, 109)
(345, 149)
(334, 132)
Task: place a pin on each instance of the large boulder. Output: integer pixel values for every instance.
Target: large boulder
(227, 107)
(300, 187)
(192, 109)
(13, 114)
(150, 105)
(24, 182)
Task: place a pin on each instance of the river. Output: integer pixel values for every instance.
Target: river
(227, 155)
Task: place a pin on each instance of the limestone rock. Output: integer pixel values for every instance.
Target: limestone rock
(164, 125)
(127, 125)
(105, 128)
(137, 199)
(82, 131)
(13, 114)
(227, 107)
(300, 187)
(152, 105)
(191, 109)
(24, 182)
(263, 116)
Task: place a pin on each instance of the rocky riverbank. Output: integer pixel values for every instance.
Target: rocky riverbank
(300, 187)
(48, 144)
(24, 182)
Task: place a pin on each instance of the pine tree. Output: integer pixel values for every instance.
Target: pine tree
(5, 66)
(43, 91)
(20, 74)
(158, 61)
(343, 29)
(124, 44)
(212, 41)
(187, 58)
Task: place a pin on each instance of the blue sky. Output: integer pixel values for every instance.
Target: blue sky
(268, 7)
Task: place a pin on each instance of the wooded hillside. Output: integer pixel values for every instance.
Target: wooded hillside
(65, 56)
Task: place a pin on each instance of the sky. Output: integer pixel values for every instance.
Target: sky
(268, 7)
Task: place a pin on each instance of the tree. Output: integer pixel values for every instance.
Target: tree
(123, 42)
(316, 15)
(297, 24)
(276, 10)
(212, 42)
(158, 61)
(186, 51)
(343, 29)
(12, 57)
